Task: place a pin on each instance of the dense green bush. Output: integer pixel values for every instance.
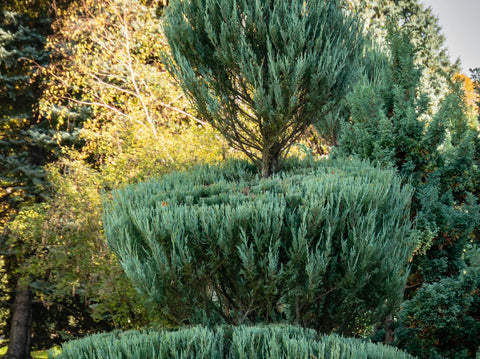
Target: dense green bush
(441, 320)
(324, 246)
(225, 342)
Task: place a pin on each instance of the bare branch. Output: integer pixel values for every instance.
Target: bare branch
(173, 108)
(93, 103)
(133, 77)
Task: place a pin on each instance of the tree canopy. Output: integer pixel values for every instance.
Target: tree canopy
(263, 71)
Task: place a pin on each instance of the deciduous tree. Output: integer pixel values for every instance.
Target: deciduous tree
(119, 119)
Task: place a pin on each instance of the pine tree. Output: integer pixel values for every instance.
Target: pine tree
(263, 71)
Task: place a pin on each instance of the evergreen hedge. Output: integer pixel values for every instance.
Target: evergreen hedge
(225, 342)
(324, 246)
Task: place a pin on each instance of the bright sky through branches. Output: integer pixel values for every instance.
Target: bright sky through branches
(461, 27)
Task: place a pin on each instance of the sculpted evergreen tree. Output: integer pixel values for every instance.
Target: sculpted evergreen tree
(322, 245)
(263, 71)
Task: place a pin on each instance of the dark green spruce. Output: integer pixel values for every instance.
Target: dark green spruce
(439, 155)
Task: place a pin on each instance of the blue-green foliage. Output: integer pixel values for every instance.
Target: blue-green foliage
(264, 342)
(25, 138)
(263, 71)
(325, 246)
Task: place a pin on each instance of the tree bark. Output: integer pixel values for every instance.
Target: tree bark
(20, 331)
(269, 164)
(389, 332)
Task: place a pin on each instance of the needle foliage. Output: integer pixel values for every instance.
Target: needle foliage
(263, 71)
(325, 247)
(260, 342)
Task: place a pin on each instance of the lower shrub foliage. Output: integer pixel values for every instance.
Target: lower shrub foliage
(442, 319)
(258, 342)
(324, 246)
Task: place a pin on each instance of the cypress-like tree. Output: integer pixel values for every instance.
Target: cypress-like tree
(440, 158)
(425, 34)
(388, 124)
(263, 71)
(430, 55)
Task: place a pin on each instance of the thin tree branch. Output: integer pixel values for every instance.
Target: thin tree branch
(101, 104)
(173, 108)
(133, 77)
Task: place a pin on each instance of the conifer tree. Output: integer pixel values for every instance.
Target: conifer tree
(388, 125)
(24, 147)
(263, 71)
(425, 34)
(440, 158)
(430, 55)
(312, 246)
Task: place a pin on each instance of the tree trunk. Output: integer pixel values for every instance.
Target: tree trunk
(269, 164)
(389, 333)
(19, 341)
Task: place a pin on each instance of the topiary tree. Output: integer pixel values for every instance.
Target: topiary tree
(325, 247)
(263, 71)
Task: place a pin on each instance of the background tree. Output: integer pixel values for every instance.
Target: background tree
(110, 74)
(426, 36)
(106, 92)
(25, 146)
(262, 72)
(439, 157)
(471, 97)
(430, 55)
(441, 320)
